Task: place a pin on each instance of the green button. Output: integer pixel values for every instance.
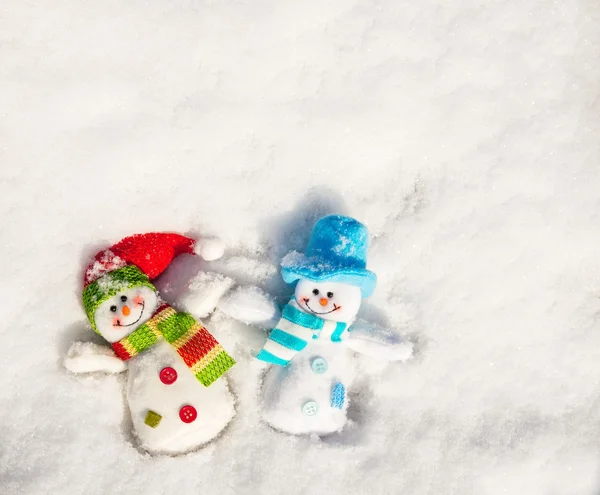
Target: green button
(152, 419)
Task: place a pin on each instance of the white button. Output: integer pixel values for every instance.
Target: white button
(319, 365)
(310, 408)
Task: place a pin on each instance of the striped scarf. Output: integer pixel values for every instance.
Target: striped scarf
(292, 333)
(202, 354)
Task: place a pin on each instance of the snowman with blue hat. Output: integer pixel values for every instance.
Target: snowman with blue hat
(311, 348)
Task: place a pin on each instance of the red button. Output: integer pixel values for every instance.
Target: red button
(188, 414)
(168, 375)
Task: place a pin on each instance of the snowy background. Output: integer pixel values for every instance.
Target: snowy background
(464, 134)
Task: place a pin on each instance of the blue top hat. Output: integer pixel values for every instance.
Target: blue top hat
(336, 252)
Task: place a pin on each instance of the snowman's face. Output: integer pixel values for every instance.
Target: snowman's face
(329, 300)
(125, 312)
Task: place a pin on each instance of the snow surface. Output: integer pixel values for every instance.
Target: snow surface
(464, 134)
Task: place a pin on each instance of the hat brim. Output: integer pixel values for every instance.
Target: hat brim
(298, 267)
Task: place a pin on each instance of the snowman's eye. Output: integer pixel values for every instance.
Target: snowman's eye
(113, 309)
(123, 298)
(316, 292)
(330, 295)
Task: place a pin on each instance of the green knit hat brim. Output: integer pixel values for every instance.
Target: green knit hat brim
(111, 284)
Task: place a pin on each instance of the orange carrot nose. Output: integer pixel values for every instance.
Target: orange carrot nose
(323, 301)
(126, 310)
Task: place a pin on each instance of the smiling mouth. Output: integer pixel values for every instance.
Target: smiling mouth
(139, 318)
(335, 308)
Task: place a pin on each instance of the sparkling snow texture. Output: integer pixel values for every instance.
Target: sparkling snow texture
(463, 134)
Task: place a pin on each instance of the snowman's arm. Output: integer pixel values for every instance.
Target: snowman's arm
(378, 342)
(87, 357)
(204, 292)
(251, 305)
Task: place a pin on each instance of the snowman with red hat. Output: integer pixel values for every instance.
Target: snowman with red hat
(176, 394)
(312, 348)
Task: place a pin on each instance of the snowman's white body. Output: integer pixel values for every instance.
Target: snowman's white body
(297, 398)
(214, 405)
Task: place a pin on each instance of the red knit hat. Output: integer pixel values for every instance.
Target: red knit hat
(136, 260)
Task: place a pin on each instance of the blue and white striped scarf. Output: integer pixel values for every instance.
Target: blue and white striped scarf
(292, 333)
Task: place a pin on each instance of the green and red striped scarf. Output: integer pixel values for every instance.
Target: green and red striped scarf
(200, 351)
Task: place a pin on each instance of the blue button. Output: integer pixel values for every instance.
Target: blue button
(310, 408)
(319, 365)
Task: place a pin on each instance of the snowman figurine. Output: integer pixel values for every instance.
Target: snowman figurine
(311, 349)
(177, 398)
